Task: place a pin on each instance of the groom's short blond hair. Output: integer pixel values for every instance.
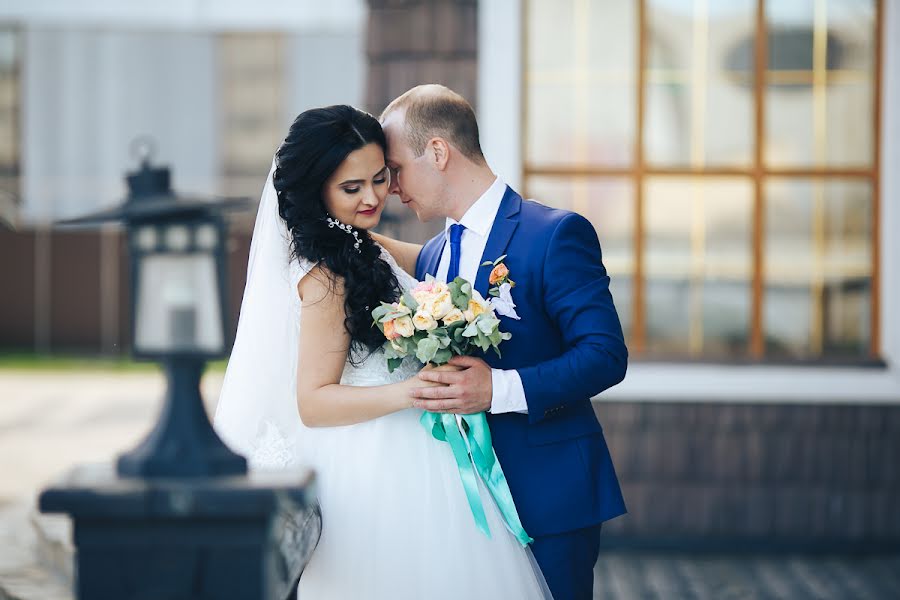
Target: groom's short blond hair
(436, 111)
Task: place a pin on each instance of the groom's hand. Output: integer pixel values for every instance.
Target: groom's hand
(465, 392)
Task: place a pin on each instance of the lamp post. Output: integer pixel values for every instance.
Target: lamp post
(179, 516)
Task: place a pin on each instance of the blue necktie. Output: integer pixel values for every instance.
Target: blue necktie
(456, 232)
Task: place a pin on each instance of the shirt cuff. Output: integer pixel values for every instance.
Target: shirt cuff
(508, 393)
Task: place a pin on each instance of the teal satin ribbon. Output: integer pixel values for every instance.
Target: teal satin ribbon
(444, 427)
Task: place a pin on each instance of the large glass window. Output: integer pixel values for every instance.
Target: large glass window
(252, 80)
(727, 154)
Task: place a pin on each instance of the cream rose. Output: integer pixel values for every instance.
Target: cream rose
(423, 321)
(440, 305)
(404, 326)
(453, 316)
(477, 306)
(422, 297)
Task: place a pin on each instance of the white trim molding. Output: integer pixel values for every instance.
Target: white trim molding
(500, 87)
(698, 382)
(500, 106)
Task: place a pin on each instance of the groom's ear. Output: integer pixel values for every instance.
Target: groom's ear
(440, 151)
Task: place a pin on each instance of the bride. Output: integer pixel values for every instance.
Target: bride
(307, 384)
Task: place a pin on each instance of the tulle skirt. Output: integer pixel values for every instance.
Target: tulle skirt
(396, 523)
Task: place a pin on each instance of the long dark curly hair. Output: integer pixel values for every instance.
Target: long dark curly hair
(317, 143)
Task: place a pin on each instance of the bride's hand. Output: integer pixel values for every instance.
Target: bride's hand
(445, 367)
(414, 382)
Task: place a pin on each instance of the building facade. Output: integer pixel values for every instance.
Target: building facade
(740, 161)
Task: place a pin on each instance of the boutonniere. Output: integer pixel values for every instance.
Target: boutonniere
(500, 291)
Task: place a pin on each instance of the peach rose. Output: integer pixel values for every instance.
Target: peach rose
(390, 331)
(498, 274)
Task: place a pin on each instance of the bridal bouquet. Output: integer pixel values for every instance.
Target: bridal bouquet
(434, 322)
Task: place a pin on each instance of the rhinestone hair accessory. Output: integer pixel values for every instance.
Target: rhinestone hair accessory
(332, 223)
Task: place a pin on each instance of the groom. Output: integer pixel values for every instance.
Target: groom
(566, 347)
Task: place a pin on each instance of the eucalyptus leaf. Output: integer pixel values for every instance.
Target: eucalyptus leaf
(426, 349)
(389, 351)
(471, 330)
(410, 301)
(482, 342)
(407, 346)
(442, 356)
(380, 311)
(487, 324)
(391, 316)
(461, 293)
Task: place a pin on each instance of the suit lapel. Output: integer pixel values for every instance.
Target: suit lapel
(505, 224)
(429, 257)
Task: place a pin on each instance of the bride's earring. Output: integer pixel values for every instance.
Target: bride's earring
(332, 223)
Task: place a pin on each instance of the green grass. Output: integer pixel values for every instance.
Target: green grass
(14, 361)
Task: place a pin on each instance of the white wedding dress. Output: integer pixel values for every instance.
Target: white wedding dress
(395, 520)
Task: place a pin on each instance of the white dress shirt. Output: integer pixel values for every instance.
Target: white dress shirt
(508, 393)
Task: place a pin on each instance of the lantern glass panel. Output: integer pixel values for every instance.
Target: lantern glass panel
(146, 238)
(206, 237)
(178, 307)
(178, 238)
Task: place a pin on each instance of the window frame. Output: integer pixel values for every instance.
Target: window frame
(501, 100)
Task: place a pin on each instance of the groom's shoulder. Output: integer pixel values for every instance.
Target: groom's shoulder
(433, 241)
(548, 218)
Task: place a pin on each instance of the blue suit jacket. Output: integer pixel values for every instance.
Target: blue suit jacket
(567, 347)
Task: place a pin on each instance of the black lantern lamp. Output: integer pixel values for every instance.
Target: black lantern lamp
(180, 516)
(179, 312)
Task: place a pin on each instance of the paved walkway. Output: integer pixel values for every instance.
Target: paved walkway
(644, 576)
(50, 421)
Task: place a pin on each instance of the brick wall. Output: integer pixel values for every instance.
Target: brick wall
(66, 315)
(412, 42)
(819, 476)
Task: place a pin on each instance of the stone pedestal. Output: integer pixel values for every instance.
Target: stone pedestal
(197, 538)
